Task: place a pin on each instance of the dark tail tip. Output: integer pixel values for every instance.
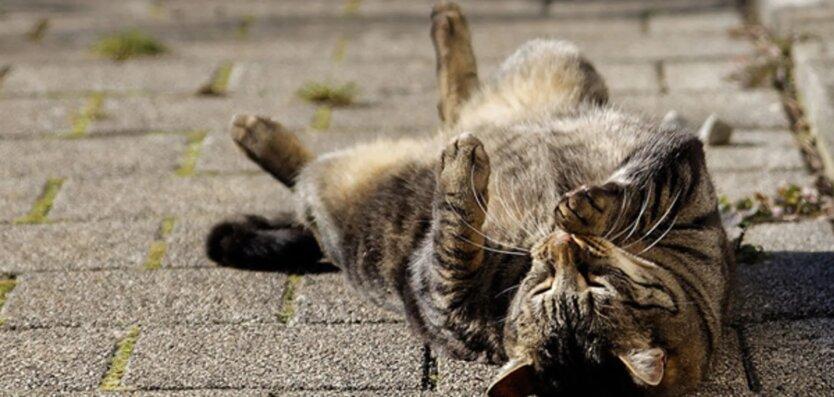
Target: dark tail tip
(255, 244)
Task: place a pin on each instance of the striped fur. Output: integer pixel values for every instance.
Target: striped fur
(542, 229)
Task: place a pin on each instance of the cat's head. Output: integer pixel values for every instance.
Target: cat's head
(587, 320)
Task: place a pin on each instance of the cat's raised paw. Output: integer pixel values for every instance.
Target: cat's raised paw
(464, 166)
(589, 210)
(448, 25)
(252, 132)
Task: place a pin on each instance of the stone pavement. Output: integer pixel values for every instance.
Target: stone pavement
(111, 173)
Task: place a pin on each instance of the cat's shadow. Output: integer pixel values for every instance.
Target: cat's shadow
(320, 267)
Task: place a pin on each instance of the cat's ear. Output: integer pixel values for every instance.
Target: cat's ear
(517, 380)
(646, 365)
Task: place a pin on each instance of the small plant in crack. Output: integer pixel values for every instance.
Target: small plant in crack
(334, 95)
(789, 203)
(126, 45)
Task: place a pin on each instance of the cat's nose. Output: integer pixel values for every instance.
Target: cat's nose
(566, 259)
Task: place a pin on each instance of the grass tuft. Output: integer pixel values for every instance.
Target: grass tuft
(328, 94)
(219, 83)
(130, 44)
(192, 153)
(159, 247)
(113, 379)
(6, 286)
(41, 207)
(244, 25)
(352, 7)
(750, 254)
(340, 51)
(288, 298)
(322, 118)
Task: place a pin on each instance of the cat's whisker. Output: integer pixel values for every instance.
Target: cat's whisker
(640, 214)
(619, 215)
(513, 288)
(671, 225)
(474, 229)
(485, 248)
(659, 221)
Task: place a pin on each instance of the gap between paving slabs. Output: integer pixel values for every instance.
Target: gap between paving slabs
(7, 284)
(42, 206)
(159, 247)
(112, 380)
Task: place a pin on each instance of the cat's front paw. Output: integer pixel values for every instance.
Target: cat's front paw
(464, 169)
(253, 133)
(590, 210)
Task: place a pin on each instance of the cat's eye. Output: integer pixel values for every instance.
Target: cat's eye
(542, 287)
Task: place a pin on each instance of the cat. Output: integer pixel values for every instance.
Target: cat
(541, 228)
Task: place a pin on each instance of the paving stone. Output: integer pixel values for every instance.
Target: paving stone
(329, 299)
(629, 77)
(815, 86)
(37, 116)
(348, 357)
(58, 358)
(141, 393)
(809, 236)
(167, 113)
(736, 185)
(793, 357)
(90, 158)
(702, 76)
(463, 378)
(133, 76)
(727, 367)
(74, 246)
(17, 196)
(159, 196)
(695, 22)
(786, 285)
(373, 81)
(190, 296)
(750, 109)
(756, 150)
(186, 244)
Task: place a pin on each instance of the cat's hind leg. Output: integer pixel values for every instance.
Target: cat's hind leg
(275, 149)
(258, 243)
(457, 72)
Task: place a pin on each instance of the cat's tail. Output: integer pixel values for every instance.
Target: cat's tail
(258, 243)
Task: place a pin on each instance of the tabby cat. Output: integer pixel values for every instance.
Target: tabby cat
(542, 229)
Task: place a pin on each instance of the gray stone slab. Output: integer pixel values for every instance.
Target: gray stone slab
(751, 109)
(348, 357)
(463, 378)
(166, 113)
(695, 22)
(815, 83)
(702, 76)
(329, 299)
(159, 196)
(133, 76)
(786, 285)
(793, 358)
(394, 115)
(28, 117)
(808, 236)
(142, 393)
(373, 81)
(17, 196)
(189, 296)
(74, 246)
(59, 358)
(186, 244)
(737, 184)
(756, 150)
(629, 77)
(90, 158)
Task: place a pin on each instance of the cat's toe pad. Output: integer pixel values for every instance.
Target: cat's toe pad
(588, 209)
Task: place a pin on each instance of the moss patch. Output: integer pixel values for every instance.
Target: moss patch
(789, 203)
(6, 286)
(244, 25)
(352, 7)
(87, 115)
(192, 153)
(219, 83)
(113, 379)
(130, 44)
(159, 247)
(41, 207)
(4, 71)
(328, 93)
(38, 30)
(340, 50)
(288, 298)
